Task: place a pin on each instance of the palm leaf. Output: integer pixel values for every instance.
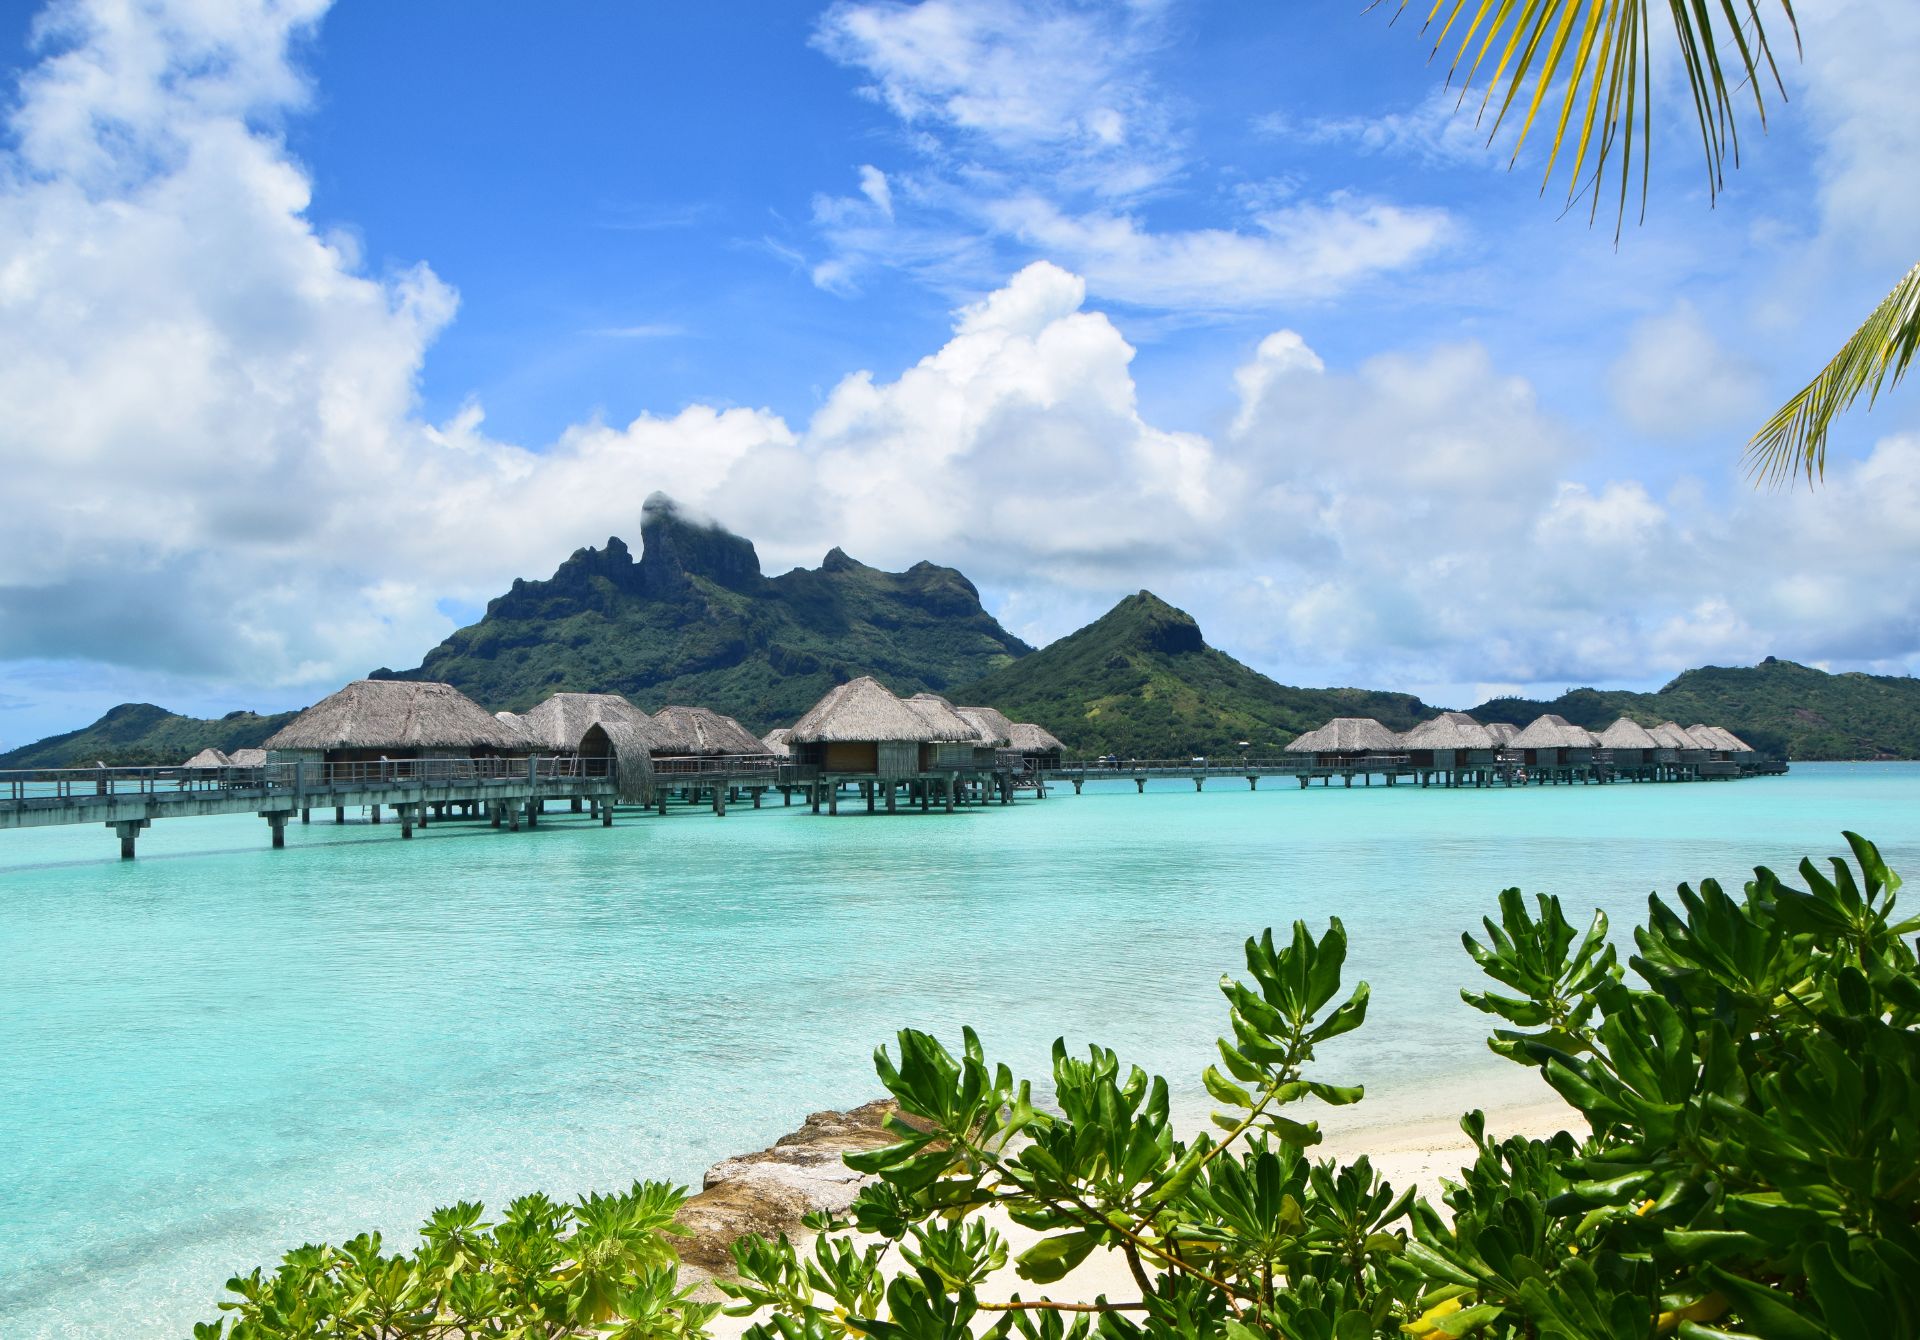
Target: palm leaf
(1794, 440)
(1595, 58)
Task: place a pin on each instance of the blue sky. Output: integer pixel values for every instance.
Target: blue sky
(323, 323)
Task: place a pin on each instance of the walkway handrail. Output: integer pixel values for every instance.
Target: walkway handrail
(276, 775)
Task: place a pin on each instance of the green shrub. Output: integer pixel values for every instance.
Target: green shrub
(1752, 1168)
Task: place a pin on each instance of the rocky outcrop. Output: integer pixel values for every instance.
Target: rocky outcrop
(770, 1192)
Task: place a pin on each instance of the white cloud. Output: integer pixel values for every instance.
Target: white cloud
(1676, 379)
(1039, 126)
(1865, 105)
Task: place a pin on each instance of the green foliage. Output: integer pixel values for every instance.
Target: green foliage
(694, 621)
(1140, 681)
(1749, 1170)
(1780, 708)
(142, 735)
(602, 1266)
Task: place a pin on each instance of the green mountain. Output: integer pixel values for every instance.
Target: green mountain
(693, 620)
(141, 735)
(1780, 708)
(1140, 680)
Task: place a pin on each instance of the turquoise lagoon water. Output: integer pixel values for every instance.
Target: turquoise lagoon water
(219, 1051)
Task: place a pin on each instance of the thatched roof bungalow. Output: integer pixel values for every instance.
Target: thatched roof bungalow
(700, 732)
(373, 719)
(1632, 745)
(862, 728)
(969, 739)
(208, 758)
(557, 725)
(1720, 740)
(248, 758)
(1553, 741)
(1672, 736)
(775, 741)
(1450, 740)
(1036, 744)
(1503, 733)
(1345, 740)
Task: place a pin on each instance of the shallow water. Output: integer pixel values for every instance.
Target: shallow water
(219, 1051)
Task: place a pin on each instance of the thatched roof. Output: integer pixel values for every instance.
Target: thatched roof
(1031, 739)
(558, 723)
(630, 746)
(775, 741)
(1502, 732)
(679, 732)
(990, 724)
(1553, 732)
(1625, 734)
(1671, 736)
(940, 714)
(1717, 737)
(518, 725)
(1449, 730)
(864, 710)
(248, 758)
(208, 758)
(395, 714)
(1346, 735)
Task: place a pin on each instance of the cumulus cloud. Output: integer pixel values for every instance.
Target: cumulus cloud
(1676, 379)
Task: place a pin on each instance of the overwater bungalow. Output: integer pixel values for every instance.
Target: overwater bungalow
(557, 725)
(1345, 741)
(775, 741)
(860, 732)
(1503, 733)
(1551, 741)
(627, 746)
(1450, 742)
(248, 758)
(1040, 747)
(206, 759)
(389, 721)
(700, 732)
(1687, 750)
(1634, 750)
(957, 739)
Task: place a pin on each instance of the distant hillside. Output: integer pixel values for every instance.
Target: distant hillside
(695, 621)
(1779, 707)
(140, 734)
(1141, 680)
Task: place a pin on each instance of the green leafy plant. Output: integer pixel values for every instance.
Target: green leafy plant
(1749, 1165)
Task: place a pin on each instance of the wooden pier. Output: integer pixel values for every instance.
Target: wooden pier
(501, 791)
(1503, 770)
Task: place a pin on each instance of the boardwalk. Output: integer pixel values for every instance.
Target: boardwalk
(418, 791)
(1504, 769)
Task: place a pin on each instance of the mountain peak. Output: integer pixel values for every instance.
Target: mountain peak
(676, 543)
(1152, 624)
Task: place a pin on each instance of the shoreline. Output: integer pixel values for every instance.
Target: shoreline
(769, 1191)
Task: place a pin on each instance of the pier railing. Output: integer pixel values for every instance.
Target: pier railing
(289, 775)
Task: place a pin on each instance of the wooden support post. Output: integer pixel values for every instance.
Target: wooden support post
(948, 788)
(606, 814)
(925, 801)
(339, 814)
(1253, 783)
(1199, 783)
(1139, 785)
(892, 790)
(1077, 784)
(813, 796)
(493, 813)
(374, 816)
(1303, 783)
(786, 797)
(406, 821)
(866, 789)
(1348, 778)
(833, 799)
(306, 815)
(277, 821)
(513, 816)
(720, 801)
(757, 792)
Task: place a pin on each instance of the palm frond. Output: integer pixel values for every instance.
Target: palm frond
(1595, 56)
(1794, 440)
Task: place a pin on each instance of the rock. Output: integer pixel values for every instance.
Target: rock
(770, 1192)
